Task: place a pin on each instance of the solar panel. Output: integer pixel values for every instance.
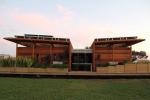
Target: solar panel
(116, 38)
(42, 37)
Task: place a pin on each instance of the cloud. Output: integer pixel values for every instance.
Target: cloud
(7, 47)
(69, 24)
(2, 2)
(41, 22)
(35, 20)
(67, 13)
(1, 21)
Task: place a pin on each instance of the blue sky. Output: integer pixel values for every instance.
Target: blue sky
(75, 19)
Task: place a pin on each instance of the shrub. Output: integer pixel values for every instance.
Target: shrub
(58, 65)
(102, 65)
(24, 62)
(18, 62)
(39, 65)
(29, 62)
(8, 62)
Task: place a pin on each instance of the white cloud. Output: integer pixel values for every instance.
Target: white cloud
(80, 30)
(43, 23)
(67, 13)
(1, 22)
(7, 47)
(35, 21)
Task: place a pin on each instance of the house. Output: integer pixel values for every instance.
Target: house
(52, 50)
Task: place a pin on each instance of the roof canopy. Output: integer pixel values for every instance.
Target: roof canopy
(40, 40)
(125, 41)
(44, 40)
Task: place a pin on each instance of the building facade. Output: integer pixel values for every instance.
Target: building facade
(47, 49)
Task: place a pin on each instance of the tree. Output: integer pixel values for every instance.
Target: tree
(138, 55)
(87, 47)
(142, 53)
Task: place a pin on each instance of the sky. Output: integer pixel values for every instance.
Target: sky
(80, 20)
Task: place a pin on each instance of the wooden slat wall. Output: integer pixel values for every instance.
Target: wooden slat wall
(118, 54)
(26, 51)
(127, 68)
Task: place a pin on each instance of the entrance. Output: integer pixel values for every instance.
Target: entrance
(81, 67)
(82, 60)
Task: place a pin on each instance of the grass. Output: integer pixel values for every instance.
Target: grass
(73, 89)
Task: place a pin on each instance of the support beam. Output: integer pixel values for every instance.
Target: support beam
(16, 49)
(70, 54)
(130, 53)
(113, 52)
(50, 53)
(16, 57)
(94, 67)
(33, 51)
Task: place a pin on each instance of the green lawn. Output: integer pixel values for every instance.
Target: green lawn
(73, 89)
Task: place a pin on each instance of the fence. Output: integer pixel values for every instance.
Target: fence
(127, 68)
(32, 70)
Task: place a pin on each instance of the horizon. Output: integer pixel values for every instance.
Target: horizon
(75, 19)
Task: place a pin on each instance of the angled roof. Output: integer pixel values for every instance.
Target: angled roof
(128, 41)
(29, 39)
(44, 40)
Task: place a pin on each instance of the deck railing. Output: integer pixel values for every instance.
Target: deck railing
(124, 69)
(127, 68)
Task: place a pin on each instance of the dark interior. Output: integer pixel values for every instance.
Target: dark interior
(81, 61)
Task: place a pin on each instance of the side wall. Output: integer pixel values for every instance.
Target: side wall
(103, 55)
(28, 51)
(40, 53)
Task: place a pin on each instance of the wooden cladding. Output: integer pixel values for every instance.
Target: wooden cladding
(112, 54)
(121, 48)
(127, 68)
(115, 51)
(28, 50)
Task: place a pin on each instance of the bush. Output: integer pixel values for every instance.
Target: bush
(24, 62)
(102, 65)
(27, 62)
(8, 62)
(39, 65)
(18, 62)
(58, 65)
(123, 63)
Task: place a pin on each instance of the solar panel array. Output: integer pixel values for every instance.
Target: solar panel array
(117, 38)
(41, 37)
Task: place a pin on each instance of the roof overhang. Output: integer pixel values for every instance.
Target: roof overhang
(127, 42)
(28, 41)
(124, 41)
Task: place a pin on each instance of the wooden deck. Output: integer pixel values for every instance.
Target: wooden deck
(78, 75)
(110, 72)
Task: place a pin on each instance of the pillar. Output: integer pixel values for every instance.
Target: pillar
(16, 56)
(16, 49)
(69, 61)
(113, 52)
(94, 67)
(50, 53)
(33, 51)
(130, 59)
